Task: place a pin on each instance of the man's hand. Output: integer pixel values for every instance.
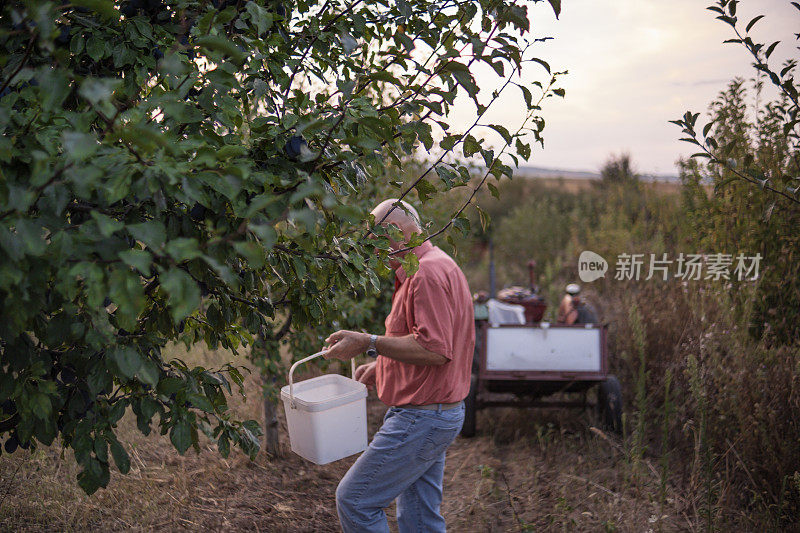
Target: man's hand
(366, 374)
(345, 344)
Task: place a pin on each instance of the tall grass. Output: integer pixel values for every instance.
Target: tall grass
(722, 404)
(640, 433)
(665, 433)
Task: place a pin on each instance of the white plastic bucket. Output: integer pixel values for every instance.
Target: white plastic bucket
(326, 415)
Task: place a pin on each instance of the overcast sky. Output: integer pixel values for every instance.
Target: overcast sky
(633, 66)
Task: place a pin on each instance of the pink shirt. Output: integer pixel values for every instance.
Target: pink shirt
(435, 306)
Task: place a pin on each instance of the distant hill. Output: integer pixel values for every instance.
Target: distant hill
(551, 173)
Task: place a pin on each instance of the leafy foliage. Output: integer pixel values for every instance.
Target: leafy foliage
(739, 218)
(198, 171)
(751, 158)
(784, 113)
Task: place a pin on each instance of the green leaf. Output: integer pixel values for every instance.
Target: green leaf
(40, 405)
(152, 233)
(462, 223)
(470, 146)
(753, 22)
(425, 189)
(101, 449)
(556, 5)
(488, 157)
(200, 402)
(97, 90)
(95, 47)
(183, 249)
(149, 372)
(127, 360)
(252, 252)
(121, 458)
(466, 80)
(385, 75)
(261, 18)
(523, 149)
(141, 260)
(79, 146)
(224, 445)
(7, 384)
(484, 218)
(265, 233)
(30, 234)
(546, 66)
(229, 151)
(106, 224)
(169, 386)
(502, 131)
(59, 86)
(101, 7)
(117, 410)
(181, 435)
(46, 431)
(449, 142)
(410, 264)
(215, 43)
(125, 290)
(90, 478)
(183, 291)
(771, 49)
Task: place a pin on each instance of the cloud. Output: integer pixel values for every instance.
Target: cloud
(633, 66)
(717, 82)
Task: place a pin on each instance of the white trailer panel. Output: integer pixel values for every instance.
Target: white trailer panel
(553, 349)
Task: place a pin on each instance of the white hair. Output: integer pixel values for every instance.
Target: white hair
(407, 211)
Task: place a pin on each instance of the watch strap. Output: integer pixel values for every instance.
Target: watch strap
(372, 351)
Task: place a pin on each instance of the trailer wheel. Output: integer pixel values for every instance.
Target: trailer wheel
(471, 409)
(609, 404)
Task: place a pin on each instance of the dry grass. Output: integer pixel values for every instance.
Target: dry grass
(526, 470)
(534, 470)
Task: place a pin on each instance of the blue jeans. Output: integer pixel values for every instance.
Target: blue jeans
(405, 460)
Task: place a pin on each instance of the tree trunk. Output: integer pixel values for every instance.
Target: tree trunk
(271, 429)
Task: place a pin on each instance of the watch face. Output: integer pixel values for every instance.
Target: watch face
(372, 353)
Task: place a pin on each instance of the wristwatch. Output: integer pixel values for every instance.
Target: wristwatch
(372, 350)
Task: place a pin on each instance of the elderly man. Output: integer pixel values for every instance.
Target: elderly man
(422, 370)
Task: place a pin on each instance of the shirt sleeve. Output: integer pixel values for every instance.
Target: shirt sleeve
(432, 316)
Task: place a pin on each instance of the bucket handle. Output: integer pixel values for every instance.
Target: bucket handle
(300, 362)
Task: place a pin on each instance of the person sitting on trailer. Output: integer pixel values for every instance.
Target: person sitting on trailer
(573, 310)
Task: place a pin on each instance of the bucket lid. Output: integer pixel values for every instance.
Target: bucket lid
(324, 392)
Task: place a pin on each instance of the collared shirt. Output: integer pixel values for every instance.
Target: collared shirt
(435, 306)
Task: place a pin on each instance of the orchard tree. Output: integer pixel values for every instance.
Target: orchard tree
(202, 171)
(750, 155)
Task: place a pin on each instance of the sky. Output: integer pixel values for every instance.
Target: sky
(633, 66)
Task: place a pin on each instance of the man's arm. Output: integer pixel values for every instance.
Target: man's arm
(346, 344)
